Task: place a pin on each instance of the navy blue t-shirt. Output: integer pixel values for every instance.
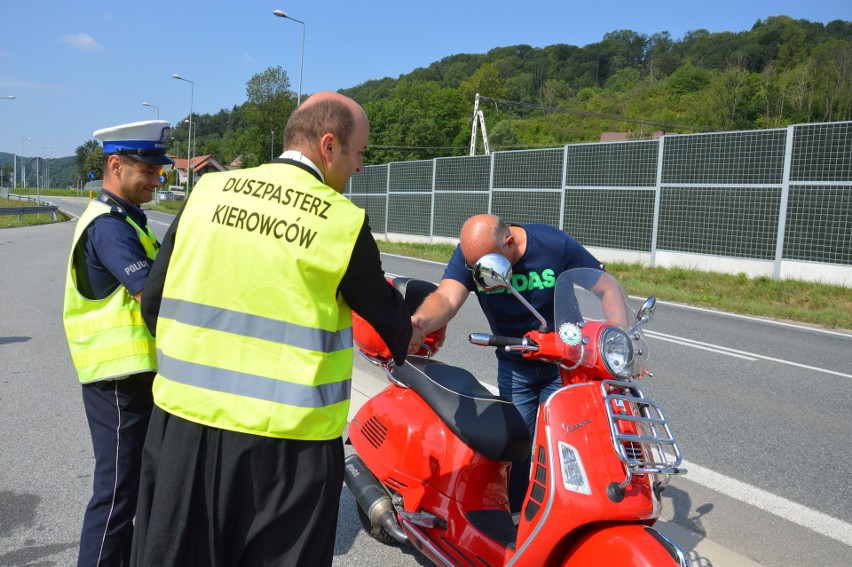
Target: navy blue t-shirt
(114, 254)
(549, 252)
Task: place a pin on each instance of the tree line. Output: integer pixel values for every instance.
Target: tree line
(782, 71)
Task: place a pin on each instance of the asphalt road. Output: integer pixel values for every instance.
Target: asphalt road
(760, 410)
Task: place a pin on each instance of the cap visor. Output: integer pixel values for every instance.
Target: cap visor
(155, 160)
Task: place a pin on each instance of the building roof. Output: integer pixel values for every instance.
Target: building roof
(199, 163)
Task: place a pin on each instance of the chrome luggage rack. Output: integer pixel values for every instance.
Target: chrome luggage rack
(652, 448)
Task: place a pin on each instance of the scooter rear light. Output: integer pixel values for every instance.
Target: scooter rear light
(573, 473)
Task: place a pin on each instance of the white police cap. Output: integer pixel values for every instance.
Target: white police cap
(143, 141)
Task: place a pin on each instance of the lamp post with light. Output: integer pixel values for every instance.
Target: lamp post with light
(283, 14)
(153, 106)
(189, 142)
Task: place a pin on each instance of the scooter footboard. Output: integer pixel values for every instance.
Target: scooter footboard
(625, 544)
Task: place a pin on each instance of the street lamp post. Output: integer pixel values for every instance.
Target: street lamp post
(194, 127)
(272, 147)
(23, 167)
(283, 14)
(189, 141)
(153, 106)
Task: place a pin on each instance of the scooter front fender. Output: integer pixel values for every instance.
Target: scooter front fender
(635, 545)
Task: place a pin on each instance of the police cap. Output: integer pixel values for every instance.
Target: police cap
(143, 141)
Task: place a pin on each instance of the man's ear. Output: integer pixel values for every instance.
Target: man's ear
(327, 146)
(113, 164)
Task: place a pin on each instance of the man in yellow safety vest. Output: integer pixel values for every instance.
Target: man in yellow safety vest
(251, 297)
(111, 348)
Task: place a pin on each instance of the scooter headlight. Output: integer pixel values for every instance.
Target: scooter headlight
(573, 474)
(617, 352)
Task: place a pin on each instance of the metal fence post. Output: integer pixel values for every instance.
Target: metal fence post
(387, 198)
(432, 208)
(782, 209)
(657, 198)
(491, 182)
(564, 188)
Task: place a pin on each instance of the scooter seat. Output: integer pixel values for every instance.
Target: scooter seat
(485, 422)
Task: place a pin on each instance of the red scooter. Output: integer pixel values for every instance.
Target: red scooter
(433, 449)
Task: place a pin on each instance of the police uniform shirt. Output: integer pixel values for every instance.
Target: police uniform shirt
(114, 254)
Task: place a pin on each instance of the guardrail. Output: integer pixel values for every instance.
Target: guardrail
(21, 211)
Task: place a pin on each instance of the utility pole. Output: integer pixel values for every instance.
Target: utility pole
(478, 119)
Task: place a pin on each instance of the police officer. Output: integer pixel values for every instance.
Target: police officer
(251, 298)
(112, 349)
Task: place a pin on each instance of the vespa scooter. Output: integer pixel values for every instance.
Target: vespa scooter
(433, 449)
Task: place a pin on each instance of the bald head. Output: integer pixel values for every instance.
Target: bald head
(323, 112)
(332, 131)
(481, 235)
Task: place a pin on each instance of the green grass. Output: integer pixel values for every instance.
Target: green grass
(13, 221)
(828, 306)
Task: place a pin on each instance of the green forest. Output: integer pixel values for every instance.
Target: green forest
(782, 71)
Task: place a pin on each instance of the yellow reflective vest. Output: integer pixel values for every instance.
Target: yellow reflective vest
(107, 337)
(252, 334)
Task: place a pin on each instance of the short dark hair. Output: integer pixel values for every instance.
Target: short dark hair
(501, 230)
(309, 123)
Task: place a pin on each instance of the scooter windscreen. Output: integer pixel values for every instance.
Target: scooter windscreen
(586, 295)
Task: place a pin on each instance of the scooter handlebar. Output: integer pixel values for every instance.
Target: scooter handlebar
(484, 339)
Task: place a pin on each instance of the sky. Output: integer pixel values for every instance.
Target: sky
(78, 66)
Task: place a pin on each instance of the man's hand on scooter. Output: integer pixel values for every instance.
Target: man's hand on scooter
(418, 334)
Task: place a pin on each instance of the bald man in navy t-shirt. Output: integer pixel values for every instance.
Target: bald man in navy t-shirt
(538, 254)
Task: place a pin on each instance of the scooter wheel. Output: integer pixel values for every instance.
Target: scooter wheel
(378, 533)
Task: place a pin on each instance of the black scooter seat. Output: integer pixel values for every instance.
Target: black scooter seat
(485, 422)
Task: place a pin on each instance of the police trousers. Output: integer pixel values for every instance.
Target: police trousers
(118, 412)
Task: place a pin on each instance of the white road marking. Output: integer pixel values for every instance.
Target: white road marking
(787, 509)
(703, 346)
(739, 353)
(845, 335)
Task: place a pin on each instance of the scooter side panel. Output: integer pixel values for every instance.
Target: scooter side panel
(408, 448)
(394, 435)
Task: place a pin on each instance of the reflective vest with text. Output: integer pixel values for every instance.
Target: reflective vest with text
(107, 337)
(252, 334)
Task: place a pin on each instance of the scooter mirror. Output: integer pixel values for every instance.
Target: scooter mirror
(647, 310)
(492, 272)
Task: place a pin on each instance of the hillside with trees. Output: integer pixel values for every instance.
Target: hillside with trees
(782, 71)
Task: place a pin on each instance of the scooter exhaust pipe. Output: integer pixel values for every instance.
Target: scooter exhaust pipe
(371, 497)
